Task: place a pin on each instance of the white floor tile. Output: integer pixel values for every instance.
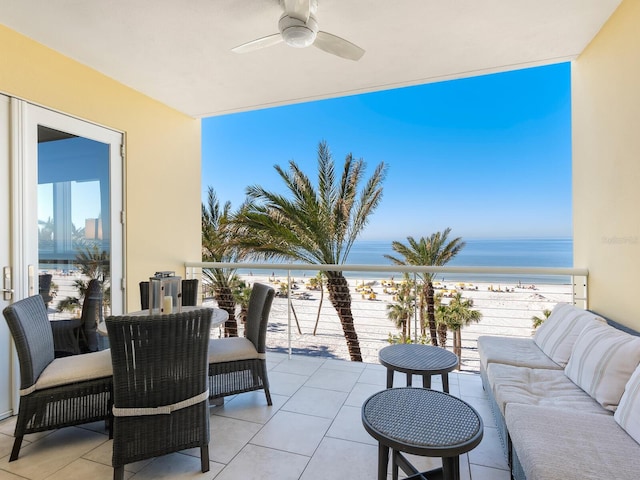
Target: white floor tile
(348, 426)
(337, 458)
(260, 463)
(292, 432)
(316, 401)
(341, 381)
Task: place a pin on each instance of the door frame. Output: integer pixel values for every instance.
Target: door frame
(23, 164)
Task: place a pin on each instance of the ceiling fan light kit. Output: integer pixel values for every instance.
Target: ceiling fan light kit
(297, 33)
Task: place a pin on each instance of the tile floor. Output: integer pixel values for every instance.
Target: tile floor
(313, 431)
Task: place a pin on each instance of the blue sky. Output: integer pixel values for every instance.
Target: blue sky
(488, 156)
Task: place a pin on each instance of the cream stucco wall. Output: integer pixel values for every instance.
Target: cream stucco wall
(606, 165)
(162, 169)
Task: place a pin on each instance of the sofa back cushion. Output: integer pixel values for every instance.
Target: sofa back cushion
(557, 335)
(628, 412)
(602, 362)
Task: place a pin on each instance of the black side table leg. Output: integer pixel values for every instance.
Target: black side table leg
(389, 377)
(451, 468)
(383, 461)
(409, 379)
(426, 381)
(445, 382)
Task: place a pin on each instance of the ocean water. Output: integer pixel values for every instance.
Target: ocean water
(530, 252)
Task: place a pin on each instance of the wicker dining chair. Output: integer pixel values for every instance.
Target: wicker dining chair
(160, 396)
(238, 364)
(68, 333)
(54, 392)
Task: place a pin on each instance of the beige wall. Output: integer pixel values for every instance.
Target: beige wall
(606, 165)
(162, 170)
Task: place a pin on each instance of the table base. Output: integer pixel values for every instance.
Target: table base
(450, 469)
(426, 380)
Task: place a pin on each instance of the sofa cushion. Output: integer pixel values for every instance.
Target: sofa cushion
(570, 444)
(536, 386)
(557, 335)
(602, 362)
(628, 412)
(513, 351)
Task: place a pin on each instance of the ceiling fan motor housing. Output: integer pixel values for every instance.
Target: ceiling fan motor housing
(297, 33)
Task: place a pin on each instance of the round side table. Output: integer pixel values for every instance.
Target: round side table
(421, 421)
(416, 359)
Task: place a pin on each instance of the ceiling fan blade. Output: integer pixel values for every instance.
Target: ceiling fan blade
(300, 9)
(259, 43)
(338, 46)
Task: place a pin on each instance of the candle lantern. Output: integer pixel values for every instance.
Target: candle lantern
(165, 293)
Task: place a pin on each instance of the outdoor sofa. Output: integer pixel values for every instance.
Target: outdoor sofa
(567, 401)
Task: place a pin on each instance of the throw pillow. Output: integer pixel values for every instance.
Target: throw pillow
(628, 412)
(602, 362)
(557, 335)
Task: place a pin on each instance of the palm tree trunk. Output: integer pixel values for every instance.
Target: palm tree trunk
(224, 297)
(457, 344)
(431, 314)
(340, 298)
(315, 328)
(423, 325)
(442, 335)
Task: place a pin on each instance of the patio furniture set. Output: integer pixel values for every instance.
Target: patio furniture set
(567, 401)
(152, 388)
(420, 421)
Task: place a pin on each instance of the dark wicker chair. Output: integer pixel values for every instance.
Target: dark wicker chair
(78, 335)
(189, 293)
(159, 385)
(44, 287)
(238, 364)
(54, 392)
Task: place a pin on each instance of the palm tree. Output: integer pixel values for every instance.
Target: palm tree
(217, 247)
(457, 314)
(537, 321)
(401, 311)
(435, 250)
(315, 224)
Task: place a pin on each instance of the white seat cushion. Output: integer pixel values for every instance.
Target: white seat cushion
(571, 444)
(602, 362)
(513, 351)
(231, 349)
(558, 334)
(75, 368)
(538, 386)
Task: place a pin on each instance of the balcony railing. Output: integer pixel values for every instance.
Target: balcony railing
(508, 298)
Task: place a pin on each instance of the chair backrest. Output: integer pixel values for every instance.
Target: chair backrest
(91, 310)
(31, 332)
(44, 287)
(258, 315)
(144, 295)
(190, 292)
(159, 360)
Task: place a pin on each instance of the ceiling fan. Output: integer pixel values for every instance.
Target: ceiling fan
(299, 28)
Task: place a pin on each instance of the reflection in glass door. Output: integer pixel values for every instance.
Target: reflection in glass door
(73, 230)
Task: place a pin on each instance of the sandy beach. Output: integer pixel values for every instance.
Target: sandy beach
(507, 309)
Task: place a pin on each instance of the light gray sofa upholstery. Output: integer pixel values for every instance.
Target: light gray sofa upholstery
(550, 428)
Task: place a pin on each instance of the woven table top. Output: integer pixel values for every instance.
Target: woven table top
(422, 421)
(418, 359)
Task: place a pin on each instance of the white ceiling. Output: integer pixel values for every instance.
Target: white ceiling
(178, 51)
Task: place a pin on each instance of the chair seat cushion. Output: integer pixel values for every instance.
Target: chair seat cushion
(231, 349)
(76, 368)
